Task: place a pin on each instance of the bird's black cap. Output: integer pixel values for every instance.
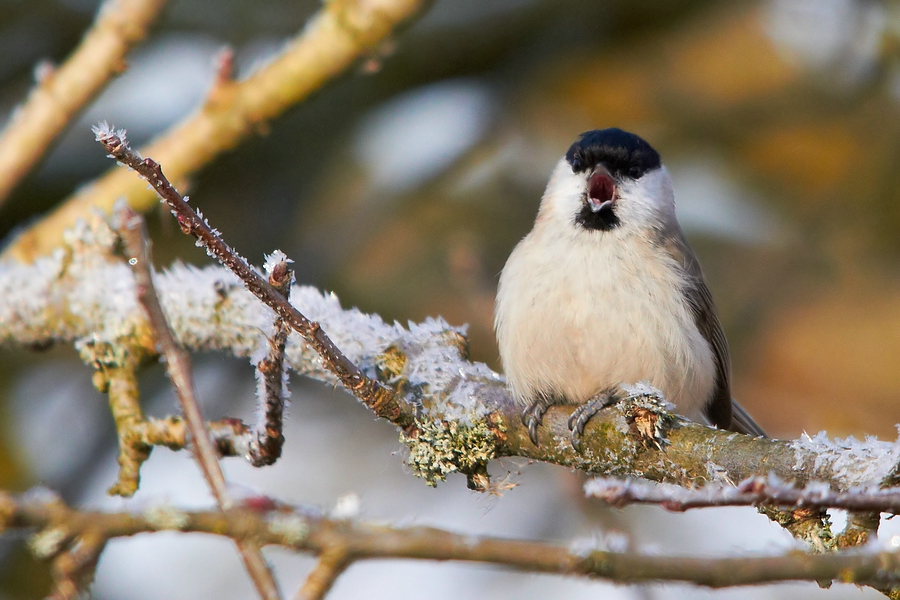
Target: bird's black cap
(623, 153)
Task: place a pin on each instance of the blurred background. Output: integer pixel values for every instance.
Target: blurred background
(404, 186)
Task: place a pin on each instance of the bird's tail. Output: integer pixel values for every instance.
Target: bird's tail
(741, 422)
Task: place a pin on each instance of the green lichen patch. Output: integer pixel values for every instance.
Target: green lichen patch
(440, 447)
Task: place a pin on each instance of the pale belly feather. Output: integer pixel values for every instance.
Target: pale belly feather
(567, 331)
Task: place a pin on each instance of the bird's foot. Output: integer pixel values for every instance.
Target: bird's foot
(533, 416)
(581, 415)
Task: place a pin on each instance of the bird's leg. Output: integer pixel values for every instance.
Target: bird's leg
(581, 415)
(533, 415)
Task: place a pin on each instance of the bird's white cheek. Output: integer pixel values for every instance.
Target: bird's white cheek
(564, 195)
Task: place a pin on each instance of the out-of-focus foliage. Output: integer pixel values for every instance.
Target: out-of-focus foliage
(404, 186)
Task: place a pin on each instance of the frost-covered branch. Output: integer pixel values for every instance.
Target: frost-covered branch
(332, 41)
(134, 235)
(753, 491)
(83, 294)
(61, 529)
(272, 391)
(61, 92)
(379, 398)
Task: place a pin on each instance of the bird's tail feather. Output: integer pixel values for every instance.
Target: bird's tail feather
(742, 422)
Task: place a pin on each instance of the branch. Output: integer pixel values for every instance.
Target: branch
(61, 94)
(84, 295)
(305, 531)
(265, 445)
(332, 563)
(753, 491)
(340, 33)
(374, 395)
(134, 235)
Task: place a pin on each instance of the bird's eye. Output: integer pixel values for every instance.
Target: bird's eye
(635, 172)
(576, 164)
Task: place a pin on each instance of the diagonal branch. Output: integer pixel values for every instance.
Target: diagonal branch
(374, 395)
(58, 96)
(134, 236)
(339, 34)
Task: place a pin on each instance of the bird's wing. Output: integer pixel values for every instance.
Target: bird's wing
(722, 410)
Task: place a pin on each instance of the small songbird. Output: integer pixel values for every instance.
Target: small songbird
(605, 291)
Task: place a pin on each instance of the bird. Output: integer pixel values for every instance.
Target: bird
(605, 292)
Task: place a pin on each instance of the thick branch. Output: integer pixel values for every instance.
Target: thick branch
(81, 297)
(62, 92)
(339, 34)
(303, 531)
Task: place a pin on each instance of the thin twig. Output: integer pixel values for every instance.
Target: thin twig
(374, 395)
(265, 447)
(330, 43)
(62, 92)
(300, 530)
(320, 580)
(753, 491)
(134, 235)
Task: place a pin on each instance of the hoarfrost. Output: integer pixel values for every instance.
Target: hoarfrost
(854, 463)
(273, 260)
(83, 294)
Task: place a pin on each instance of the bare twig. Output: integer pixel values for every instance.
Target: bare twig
(374, 395)
(332, 563)
(753, 491)
(59, 95)
(134, 235)
(301, 530)
(265, 447)
(331, 42)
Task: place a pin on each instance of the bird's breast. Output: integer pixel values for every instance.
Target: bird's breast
(577, 315)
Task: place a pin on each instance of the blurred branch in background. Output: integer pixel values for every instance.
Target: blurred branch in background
(61, 529)
(339, 34)
(60, 93)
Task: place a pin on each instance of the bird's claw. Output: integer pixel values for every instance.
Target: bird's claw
(533, 416)
(585, 412)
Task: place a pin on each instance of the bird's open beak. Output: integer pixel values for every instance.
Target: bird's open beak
(601, 189)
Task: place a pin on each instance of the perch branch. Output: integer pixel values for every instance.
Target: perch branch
(62, 92)
(339, 34)
(134, 236)
(304, 531)
(56, 300)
